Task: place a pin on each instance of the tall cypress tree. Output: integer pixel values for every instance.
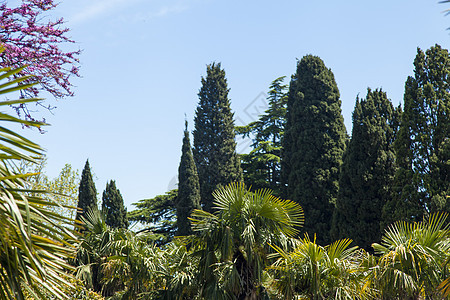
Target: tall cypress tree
(113, 207)
(87, 193)
(422, 182)
(313, 144)
(262, 165)
(367, 172)
(214, 136)
(188, 187)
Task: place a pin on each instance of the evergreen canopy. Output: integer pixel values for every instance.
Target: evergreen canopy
(422, 182)
(368, 170)
(113, 207)
(214, 136)
(313, 144)
(188, 187)
(262, 165)
(87, 193)
(157, 215)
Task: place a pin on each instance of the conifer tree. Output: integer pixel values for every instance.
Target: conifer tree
(113, 207)
(87, 193)
(422, 182)
(188, 187)
(261, 166)
(158, 216)
(313, 144)
(367, 171)
(214, 136)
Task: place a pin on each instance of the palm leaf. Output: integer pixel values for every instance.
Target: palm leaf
(34, 245)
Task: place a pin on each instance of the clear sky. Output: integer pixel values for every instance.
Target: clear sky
(142, 62)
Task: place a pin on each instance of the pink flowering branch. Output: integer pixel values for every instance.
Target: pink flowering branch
(28, 40)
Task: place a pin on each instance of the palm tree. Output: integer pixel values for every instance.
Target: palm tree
(311, 271)
(34, 243)
(232, 244)
(90, 251)
(127, 265)
(414, 259)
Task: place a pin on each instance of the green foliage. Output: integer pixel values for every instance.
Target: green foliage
(87, 193)
(313, 144)
(246, 250)
(145, 271)
(113, 207)
(122, 264)
(311, 271)
(76, 290)
(158, 216)
(62, 189)
(444, 287)
(422, 182)
(34, 243)
(214, 136)
(232, 244)
(188, 187)
(413, 259)
(261, 166)
(368, 170)
(244, 244)
(93, 249)
(80, 292)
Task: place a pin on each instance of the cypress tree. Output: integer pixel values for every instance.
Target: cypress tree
(262, 165)
(188, 187)
(313, 144)
(113, 207)
(422, 182)
(87, 193)
(214, 136)
(367, 171)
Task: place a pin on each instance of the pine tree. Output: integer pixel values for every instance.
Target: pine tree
(261, 166)
(313, 144)
(113, 207)
(367, 172)
(188, 187)
(214, 136)
(422, 182)
(87, 193)
(158, 215)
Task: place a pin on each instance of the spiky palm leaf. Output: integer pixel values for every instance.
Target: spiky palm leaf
(233, 243)
(413, 258)
(33, 239)
(316, 272)
(127, 265)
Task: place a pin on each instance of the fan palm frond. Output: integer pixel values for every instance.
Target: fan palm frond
(34, 243)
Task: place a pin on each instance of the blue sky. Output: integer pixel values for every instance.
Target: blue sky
(142, 62)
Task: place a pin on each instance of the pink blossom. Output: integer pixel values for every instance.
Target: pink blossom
(28, 40)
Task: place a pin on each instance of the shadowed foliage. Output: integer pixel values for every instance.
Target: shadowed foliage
(188, 187)
(313, 144)
(214, 136)
(87, 193)
(113, 207)
(365, 183)
(232, 244)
